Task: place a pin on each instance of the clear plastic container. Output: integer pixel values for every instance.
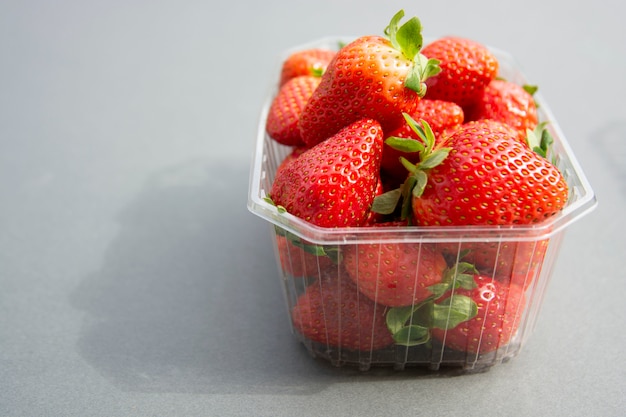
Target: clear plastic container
(314, 259)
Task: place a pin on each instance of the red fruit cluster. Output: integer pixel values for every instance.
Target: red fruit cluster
(334, 313)
(385, 133)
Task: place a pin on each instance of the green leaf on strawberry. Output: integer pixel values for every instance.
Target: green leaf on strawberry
(409, 326)
(280, 208)
(406, 190)
(453, 311)
(423, 69)
(540, 140)
(530, 89)
(461, 275)
(408, 39)
(405, 144)
(386, 203)
(398, 317)
(417, 179)
(480, 320)
(412, 335)
(316, 250)
(433, 159)
(317, 72)
(331, 252)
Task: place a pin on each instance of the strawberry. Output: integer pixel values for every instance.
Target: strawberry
(297, 261)
(498, 126)
(466, 69)
(372, 77)
(294, 154)
(333, 312)
(519, 262)
(508, 262)
(373, 218)
(509, 103)
(488, 178)
(494, 309)
(442, 116)
(307, 62)
(394, 274)
(285, 109)
(334, 183)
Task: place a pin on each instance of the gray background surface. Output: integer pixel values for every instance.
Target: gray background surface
(133, 280)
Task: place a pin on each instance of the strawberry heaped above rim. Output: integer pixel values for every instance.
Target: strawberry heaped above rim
(483, 176)
(333, 183)
(372, 77)
(466, 175)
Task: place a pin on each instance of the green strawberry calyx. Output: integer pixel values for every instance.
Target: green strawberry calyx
(530, 88)
(317, 71)
(279, 208)
(540, 140)
(461, 275)
(332, 252)
(407, 38)
(415, 183)
(410, 325)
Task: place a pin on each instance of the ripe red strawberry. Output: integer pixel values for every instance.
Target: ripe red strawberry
(395, 274)
(526, 267)
(334, 183)
(508, 262)
(499, 309)
(506, 102)
(466, 69)
(307, 62)
(284, 112)
(498, 126)
(441, 115)
(297, 262)
(374, 218)
(488, 178)
(333, 312)
(294, 154)
(371, 77)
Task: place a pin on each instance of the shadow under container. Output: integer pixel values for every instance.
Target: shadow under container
(325, 269)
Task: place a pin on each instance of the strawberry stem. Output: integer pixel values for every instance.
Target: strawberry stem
(530, 89)
(279, 208)
(540, 140)
(410, 325)
(423, 69)
(408, 39)
(317, 71)
(386, 203)
(416, 181)
(329, 251)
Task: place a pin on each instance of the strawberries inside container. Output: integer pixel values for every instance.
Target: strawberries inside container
(342, 315)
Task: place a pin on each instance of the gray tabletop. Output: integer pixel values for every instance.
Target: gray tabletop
(133, 280)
